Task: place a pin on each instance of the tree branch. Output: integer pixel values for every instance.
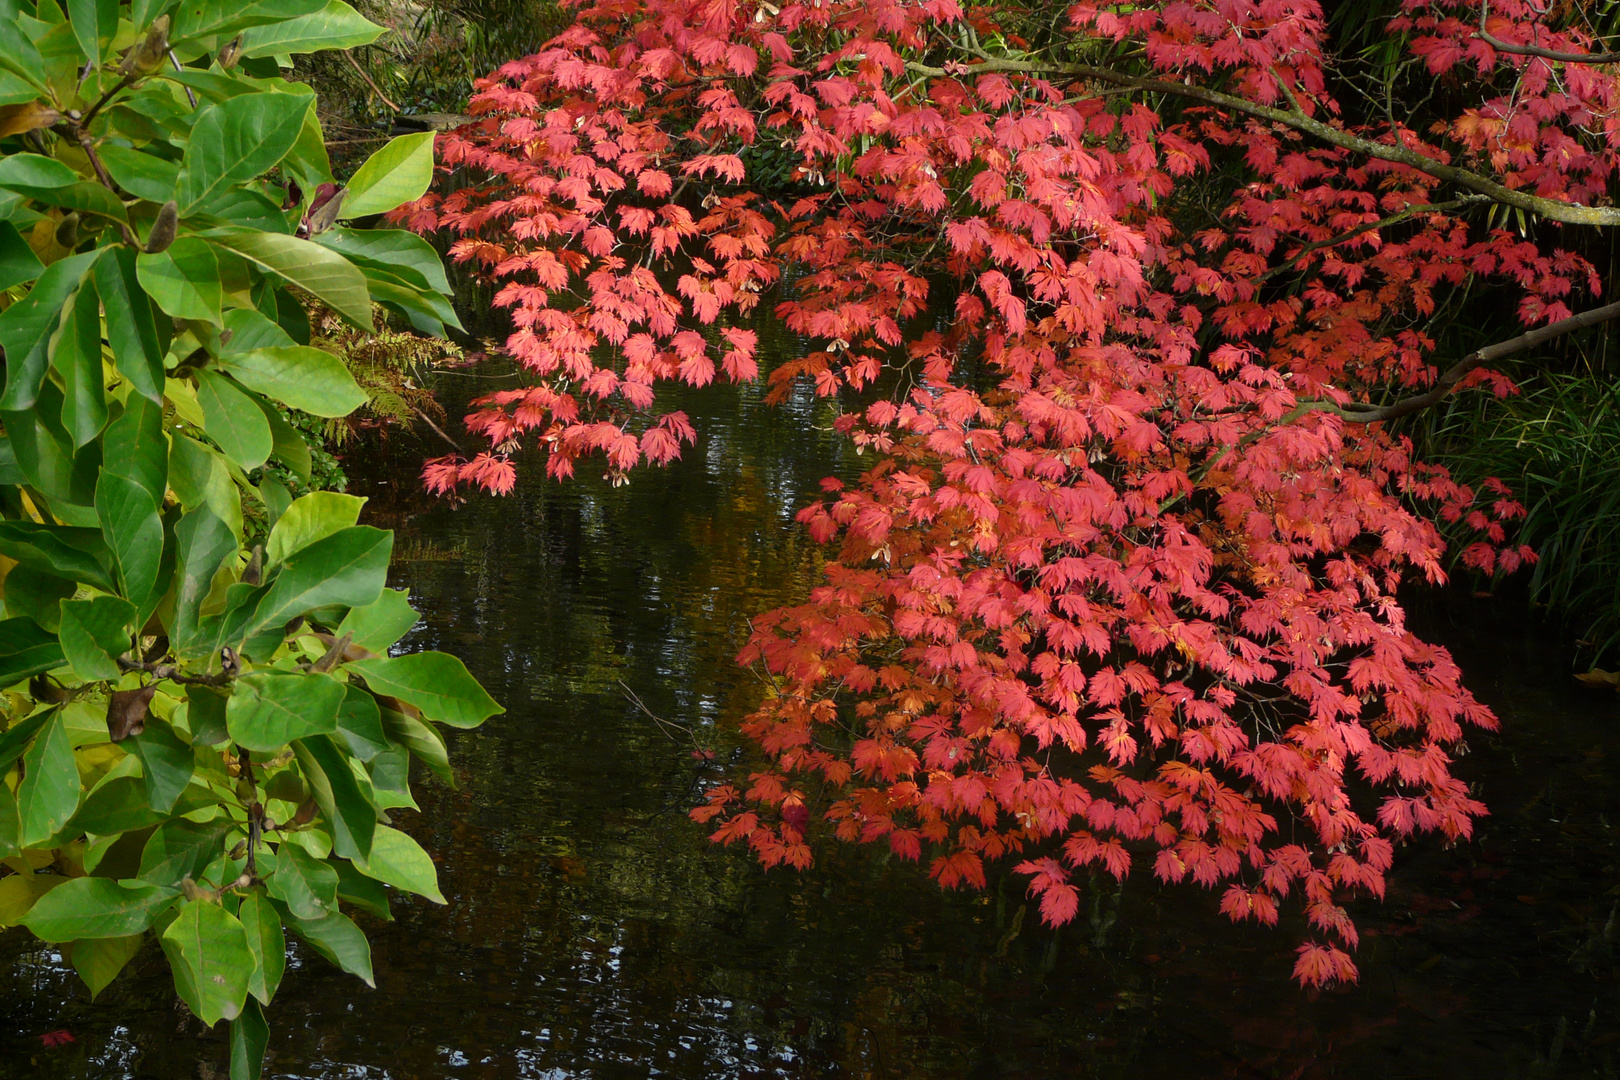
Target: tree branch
(364, 74)
(1551, 209)
(1535, 50)
(1367, 414)
(1381, 223)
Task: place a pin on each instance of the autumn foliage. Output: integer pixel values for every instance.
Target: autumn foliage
(1118, 588)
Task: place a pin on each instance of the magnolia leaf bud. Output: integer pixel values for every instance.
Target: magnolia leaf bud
(67, 230)
(163, 229)
(230, 53)
(323, 210)
(148, 54)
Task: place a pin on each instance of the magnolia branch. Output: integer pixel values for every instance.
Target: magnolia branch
(1551, 209)
(1536, 50)
(1367, 414)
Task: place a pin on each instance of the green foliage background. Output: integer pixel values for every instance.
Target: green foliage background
(202, 730)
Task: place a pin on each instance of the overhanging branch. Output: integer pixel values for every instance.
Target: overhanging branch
(1367, 414)
(1551, 209)
(1536, 50)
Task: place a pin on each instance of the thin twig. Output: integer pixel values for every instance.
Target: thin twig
(181, 68)
(426, 419)
(173, 674)
(356, 65)
(1536, 50)
(666, 726)
(1382, 223)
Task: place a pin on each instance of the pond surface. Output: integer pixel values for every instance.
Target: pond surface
(592, 930)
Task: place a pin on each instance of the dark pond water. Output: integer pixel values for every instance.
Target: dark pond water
(592, 931)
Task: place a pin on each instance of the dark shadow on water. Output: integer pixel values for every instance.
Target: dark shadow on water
(592, 930)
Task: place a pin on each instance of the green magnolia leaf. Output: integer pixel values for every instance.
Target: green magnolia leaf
(95, 24)
(45, 455)
(208, 950)
(203, 543)
(20, 892)
(94, 634)
(270, 708)
(399, 252)
(49, 792)
(250, 1035)
(310, 518)
(195, 19)
(304, 378)
(398, 173)
(390, 773)
(252, 330)
(377, 626)
(48, 181)
(184, 280)
(146, 175)
(351, 815)
(340, 941)
(167, 764)
(10, 823)
(286, 444)
(420, 739)
(242, 207)
(66, 551)
(18, 263)
(38, 596)
(236, 141)
(16, 738)
(116, 805)
(428, 312)
(347, 568)
(95, 907)
(360, 723)
(276, 498)
(19, 55)
(307, 885)
(131, 329)
(367, 894)
(136, 448)
(269, 945)
(25, 650)
(205, 711)
(133, 529)
(335, 26)
(179, 849)
(99, 960)
(76, 359)
(233, 421)
(319, 271)
(309, 163)
(26, 328)
(200, 477)
(400, 861)
(435, 682)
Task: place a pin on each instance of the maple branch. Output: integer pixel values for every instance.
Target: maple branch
(1367, 414)
(1536, 50)
(1551, 209)
(1382, 223)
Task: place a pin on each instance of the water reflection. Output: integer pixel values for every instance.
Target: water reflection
(593, 932)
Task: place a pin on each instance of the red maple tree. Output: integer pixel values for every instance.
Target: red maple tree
(1120, 582)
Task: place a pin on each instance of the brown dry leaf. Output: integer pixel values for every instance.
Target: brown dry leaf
(29, 116)
(1599, 678)
(126, 712)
